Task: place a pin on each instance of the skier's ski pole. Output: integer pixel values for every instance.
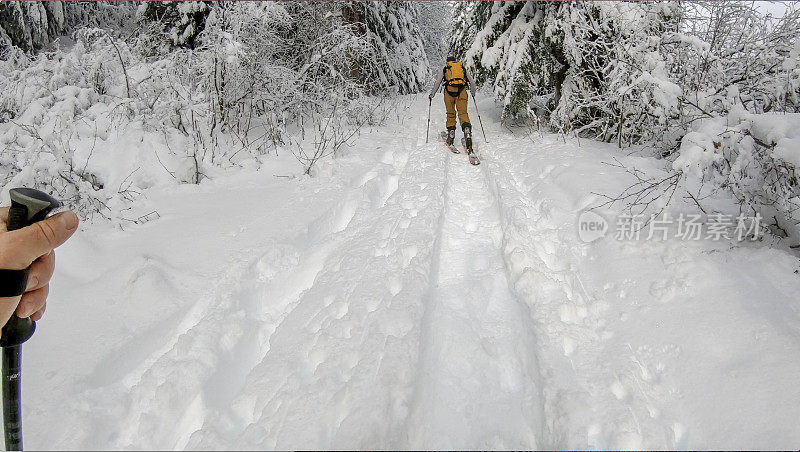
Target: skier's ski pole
(479, 118)
(428, 129)
(27, 207)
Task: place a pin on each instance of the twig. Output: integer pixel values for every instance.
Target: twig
(122, 63)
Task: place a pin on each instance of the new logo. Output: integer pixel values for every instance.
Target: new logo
(591, 226)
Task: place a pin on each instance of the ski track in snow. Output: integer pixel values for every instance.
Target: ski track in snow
(436, 305)
(541, 254)
(353, 331)
(478, 377)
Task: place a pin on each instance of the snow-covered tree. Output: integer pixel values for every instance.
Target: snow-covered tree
(396, 60)
(597, 61)
(501, 51)
(434, 20)
(32, 25)
(392, 30)
(465, 23)
(181, 22)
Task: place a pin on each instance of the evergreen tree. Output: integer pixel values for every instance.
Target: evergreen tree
(393, 33)
(461, 35)
(181, 22)
(32, 25)
(435, 24)
(595, 65)
(500, 53)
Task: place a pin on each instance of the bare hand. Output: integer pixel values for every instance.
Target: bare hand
(34, 245)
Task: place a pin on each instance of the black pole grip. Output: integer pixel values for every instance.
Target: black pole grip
(27, 207)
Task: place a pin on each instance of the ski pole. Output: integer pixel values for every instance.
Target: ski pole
(479, 118)
(27, 207)
(428, 129)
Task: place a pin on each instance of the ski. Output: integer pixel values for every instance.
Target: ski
(453, 149)
(473, 157)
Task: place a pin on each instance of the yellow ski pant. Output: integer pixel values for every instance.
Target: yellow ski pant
(456, 104)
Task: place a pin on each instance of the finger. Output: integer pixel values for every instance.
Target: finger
(32, 301)
(4, 216)
(41, 271)
(36, 316)
(25, 245)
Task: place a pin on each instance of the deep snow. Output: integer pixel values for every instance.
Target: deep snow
(402, 298)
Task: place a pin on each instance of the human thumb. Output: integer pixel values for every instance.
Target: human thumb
(21, 247)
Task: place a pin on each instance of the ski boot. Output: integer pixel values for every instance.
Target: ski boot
(448, 138)
(467, 128)
(451, 135)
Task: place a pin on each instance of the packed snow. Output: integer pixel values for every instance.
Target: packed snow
(402, 298)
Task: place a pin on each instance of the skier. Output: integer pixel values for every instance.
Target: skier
(456, 81)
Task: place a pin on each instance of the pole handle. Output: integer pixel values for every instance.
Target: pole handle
(27, 207)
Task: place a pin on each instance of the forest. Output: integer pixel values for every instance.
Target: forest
(697, 83)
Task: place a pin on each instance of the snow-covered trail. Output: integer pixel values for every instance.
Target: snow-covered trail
(338, 369)
(478, 383)
(425, 310)
(406, 299)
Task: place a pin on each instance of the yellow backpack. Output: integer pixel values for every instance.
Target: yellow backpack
(454, 74)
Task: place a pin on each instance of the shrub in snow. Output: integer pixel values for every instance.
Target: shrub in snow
(59, 111)
(265, 66)
(270, 66)
(200, 87)
(753, 156)
(738, 114)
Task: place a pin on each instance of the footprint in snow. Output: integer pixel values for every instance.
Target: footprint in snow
(619, 390)
(394, 284)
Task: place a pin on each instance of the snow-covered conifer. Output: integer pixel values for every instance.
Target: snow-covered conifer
(181, 22)
(434, 22)
(393, 32)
